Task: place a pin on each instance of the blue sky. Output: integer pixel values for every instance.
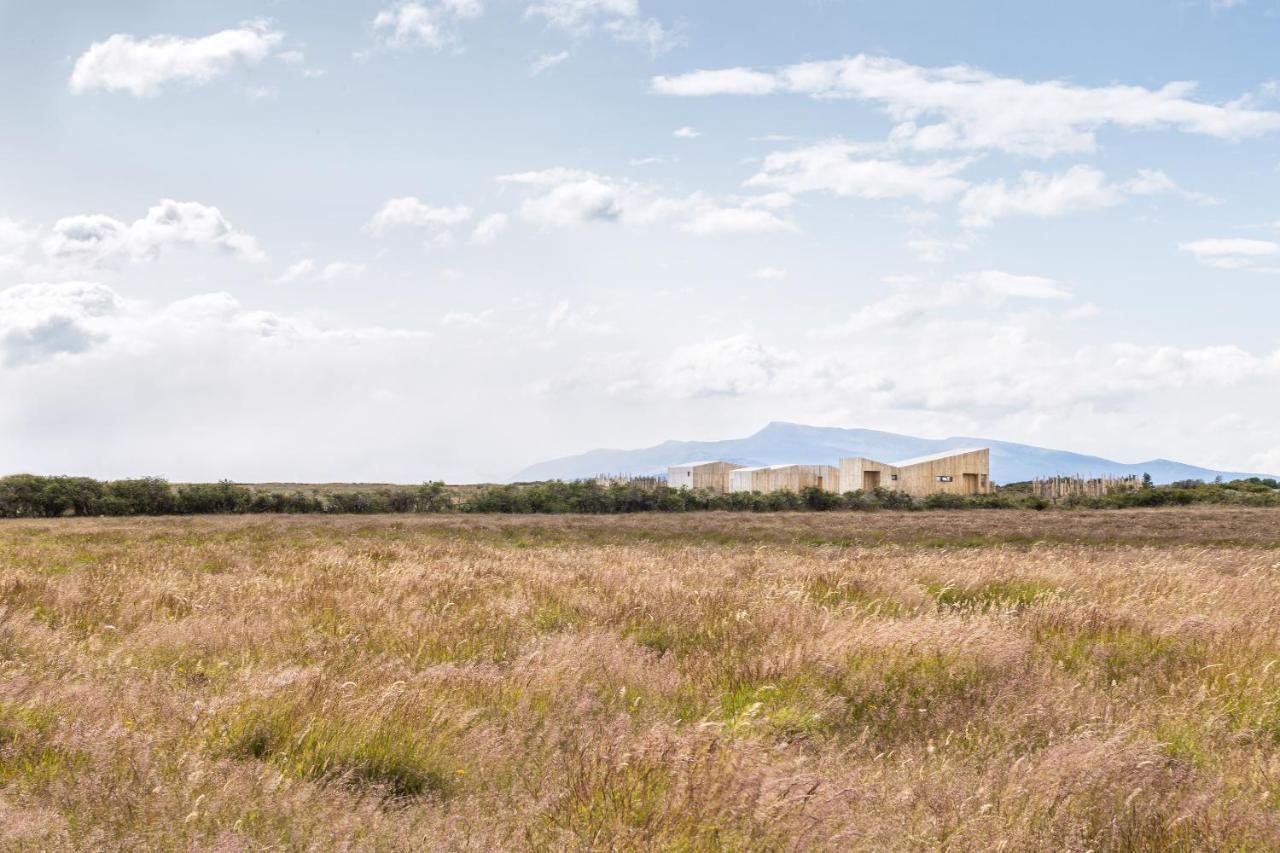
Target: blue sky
(448, 238)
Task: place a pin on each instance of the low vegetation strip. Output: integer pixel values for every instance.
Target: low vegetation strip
(30, 496)
(948, 680)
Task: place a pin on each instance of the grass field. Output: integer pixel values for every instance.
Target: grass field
(973, 680)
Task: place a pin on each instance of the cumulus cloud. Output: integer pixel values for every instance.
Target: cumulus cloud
(563, 197)
(410, 212)
(142, 67)
(1235, 253)
(959, 107)
(424, 24)
(1020, 369)
(726, 367)
(848, 169)
(687, 132)
(308, 270)
(91, 240)
(622, 19)
(41, 321)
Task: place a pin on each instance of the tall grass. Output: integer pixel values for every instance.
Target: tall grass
(954, 681)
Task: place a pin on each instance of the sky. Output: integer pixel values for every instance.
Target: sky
(361, 240)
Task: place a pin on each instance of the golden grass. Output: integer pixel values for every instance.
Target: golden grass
(1013, 681)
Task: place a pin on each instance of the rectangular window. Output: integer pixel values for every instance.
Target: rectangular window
(893, 476)
(945, 478)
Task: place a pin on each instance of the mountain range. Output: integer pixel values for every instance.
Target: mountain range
(780, 443)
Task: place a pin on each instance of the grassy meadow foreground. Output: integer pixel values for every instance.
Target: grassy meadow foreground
(958, 680)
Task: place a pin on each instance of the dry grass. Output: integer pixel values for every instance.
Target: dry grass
(1013, 681)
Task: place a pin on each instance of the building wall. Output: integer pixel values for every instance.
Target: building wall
(923, 479)
(714, 477)
(793, 478)
(744, 479)
(853, 474)
(680, 476)
(946, 475)
(711, 476)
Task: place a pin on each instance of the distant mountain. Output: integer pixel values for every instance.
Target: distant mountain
(780, 443)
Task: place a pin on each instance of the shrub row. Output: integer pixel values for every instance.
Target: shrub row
(29, 496)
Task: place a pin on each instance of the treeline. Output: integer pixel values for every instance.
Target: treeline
(29, 496)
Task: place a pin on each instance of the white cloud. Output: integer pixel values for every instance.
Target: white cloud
(933, 250)
(424, 24)
(687, 133)
(709, 219)
(726, 81)
(142, 67)
(410, 212)
(565, 197)
(771, 274)
(42, 321)
(1156, 182)
(39, 322)
(620, 18)
(308, 270)
(910, 302)
(1235, 253)
(846, 169)
(960, 107)
(15, 238)
(96, 239)
(488, 229)
(1080, 188)
(728, 367)
(547, 61)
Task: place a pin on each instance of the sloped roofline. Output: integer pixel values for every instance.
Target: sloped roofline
(934, 457)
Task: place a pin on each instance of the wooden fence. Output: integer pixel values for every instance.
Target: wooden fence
(644, 482)
(1057, 488)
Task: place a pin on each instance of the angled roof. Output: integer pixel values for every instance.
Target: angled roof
(934, 457)
(699, 464)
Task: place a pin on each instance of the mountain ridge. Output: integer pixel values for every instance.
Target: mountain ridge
(782, 442)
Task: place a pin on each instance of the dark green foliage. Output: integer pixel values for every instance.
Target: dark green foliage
(213, 499)
(144, 496)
